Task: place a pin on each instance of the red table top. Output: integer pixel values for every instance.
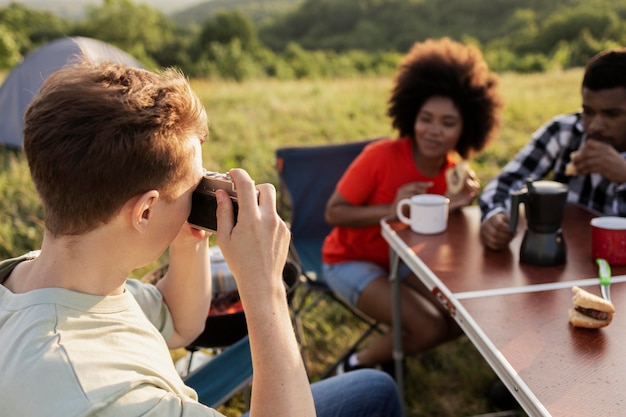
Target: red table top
(459, 259)
(523, 329)
(573, 372)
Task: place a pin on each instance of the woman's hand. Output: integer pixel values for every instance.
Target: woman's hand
(408, 191)
(467, 194)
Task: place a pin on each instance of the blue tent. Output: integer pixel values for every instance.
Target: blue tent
(25, 79)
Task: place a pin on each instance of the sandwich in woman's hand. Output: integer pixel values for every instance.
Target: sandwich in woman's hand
(590, 311)
(456, 176)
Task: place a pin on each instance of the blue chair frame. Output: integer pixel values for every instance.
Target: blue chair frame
(224, 375)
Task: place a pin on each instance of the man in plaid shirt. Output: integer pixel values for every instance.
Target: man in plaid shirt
(585, 150)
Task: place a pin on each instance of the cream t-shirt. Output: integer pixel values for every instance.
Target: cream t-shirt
(65, 354)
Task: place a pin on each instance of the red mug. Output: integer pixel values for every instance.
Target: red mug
(608, 239)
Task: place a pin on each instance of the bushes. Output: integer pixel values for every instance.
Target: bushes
(232, 62)
(330, 38)
(21, 214)
(9, 51)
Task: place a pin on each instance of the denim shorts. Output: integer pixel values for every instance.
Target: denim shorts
(348, 279)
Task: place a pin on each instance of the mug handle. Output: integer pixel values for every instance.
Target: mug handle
(399, 207)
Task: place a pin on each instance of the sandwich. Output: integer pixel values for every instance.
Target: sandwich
(570, 168)
(456, 176)
(590, 311)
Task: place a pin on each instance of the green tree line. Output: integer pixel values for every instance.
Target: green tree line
(328, 38)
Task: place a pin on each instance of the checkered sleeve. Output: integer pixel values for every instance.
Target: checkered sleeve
(548, 152)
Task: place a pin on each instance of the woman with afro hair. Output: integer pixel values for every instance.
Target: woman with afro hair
(445, 107)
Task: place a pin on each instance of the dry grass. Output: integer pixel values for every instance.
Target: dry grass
(250, 120)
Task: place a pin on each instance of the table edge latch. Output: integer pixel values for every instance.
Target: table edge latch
(445, 302)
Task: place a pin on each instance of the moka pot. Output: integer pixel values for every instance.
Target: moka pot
(544, 202)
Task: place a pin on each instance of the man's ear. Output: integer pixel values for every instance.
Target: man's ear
(141, 210)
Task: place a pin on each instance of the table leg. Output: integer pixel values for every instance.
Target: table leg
(398, 353)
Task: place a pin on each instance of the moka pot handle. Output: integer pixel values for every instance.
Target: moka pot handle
(517, 197)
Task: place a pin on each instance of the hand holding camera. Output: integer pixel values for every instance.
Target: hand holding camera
(204, 203)
(255, 245)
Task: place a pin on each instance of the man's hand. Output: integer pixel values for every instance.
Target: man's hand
(256, 251)
(255, 248)
(187, 286)
(191, 234)
(601, 158)
(494, 232)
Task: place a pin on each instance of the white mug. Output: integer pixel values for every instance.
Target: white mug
(429, 213)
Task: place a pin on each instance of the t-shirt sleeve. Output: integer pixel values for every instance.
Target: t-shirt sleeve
(151, 401)
(358, 182)
(151, 302)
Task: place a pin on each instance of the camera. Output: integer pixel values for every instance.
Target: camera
(204, 203)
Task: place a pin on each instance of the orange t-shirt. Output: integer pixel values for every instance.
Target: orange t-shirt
(373, 178)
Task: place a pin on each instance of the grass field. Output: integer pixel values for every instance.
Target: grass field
(249, 121)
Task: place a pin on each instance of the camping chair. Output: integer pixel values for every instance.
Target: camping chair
(308, 176)
(224, 375)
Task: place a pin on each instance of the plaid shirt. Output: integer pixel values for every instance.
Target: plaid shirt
(549, 151)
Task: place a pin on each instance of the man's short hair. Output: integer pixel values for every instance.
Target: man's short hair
(97, 135)
(606, 70)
